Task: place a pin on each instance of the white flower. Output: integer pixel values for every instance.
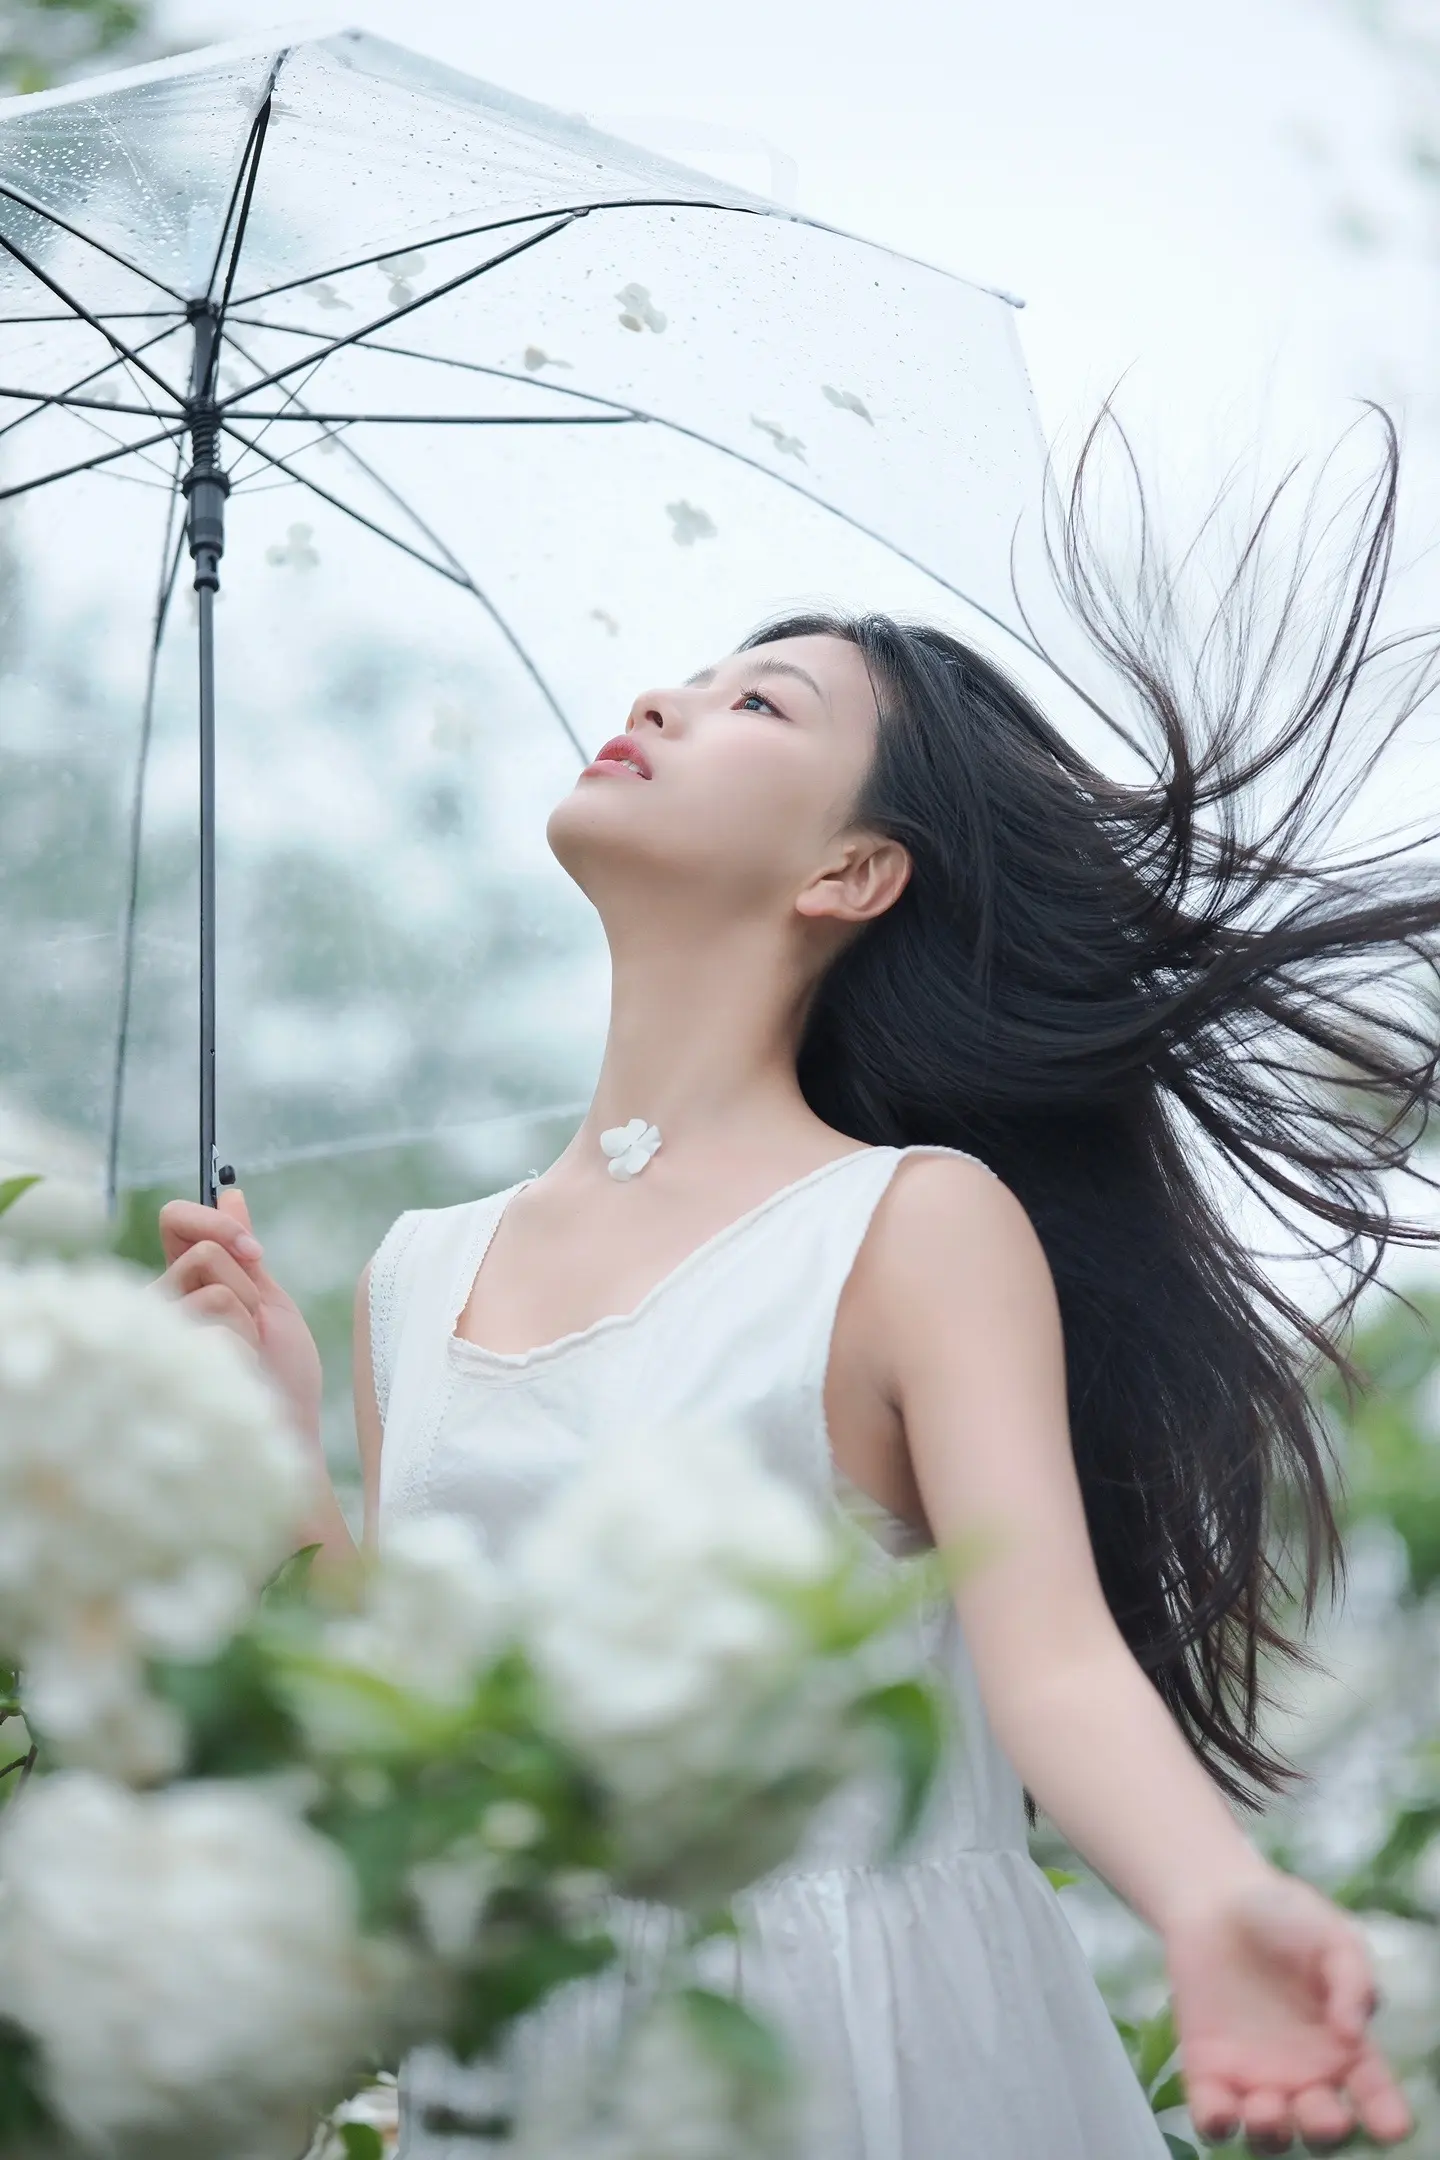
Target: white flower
(675, 2098)
(148, 1486)
(188, 1962)
(630, 1147)
(436, 1611)
(672, 1666)
(639, 1584)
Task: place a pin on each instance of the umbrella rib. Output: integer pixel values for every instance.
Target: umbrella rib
(170, 559)
(116, 344)
(245, 176)
(566, 211)
(292, 397)
(458, 575)
(107, 457)
(41, 398)
(381, 322)
(384, 419)
(28, 202)
(479, 367)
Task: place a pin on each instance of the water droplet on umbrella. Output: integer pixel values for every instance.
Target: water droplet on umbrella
(536, 358)
(847, 401)
(602, 615)
(690, 524)
(791, 444)
(639, 311)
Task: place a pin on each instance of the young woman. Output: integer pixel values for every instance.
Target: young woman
(937, 1024)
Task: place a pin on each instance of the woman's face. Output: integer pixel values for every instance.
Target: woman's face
(748, 773)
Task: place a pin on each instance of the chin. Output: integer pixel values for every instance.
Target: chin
(583, 826)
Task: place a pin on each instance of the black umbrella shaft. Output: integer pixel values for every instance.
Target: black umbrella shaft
(206, 488)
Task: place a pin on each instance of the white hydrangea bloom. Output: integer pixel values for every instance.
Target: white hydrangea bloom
(436, 1611)
(642, 1614)
(673, 1669)
(674, 2099)
(148, 1486)
(188, 1961)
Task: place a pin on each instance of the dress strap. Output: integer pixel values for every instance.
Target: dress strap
(385, 1299)
(419, 1278)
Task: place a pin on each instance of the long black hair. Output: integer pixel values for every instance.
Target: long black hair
(1106, 990)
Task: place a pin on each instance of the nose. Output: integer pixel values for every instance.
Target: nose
(659, 709)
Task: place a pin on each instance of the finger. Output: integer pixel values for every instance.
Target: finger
(1214, 2107)
(1349, 1983)
(1266, 2116)
(1384, 2111)
(209, 1264)
(231, 1201)
(216, 1305)
(184, 1223)
(1321, 2114)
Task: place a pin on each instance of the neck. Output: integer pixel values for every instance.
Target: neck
(702, 1042)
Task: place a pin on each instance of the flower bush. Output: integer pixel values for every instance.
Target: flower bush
(274, 1832)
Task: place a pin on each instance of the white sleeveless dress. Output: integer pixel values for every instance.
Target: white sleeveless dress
(941, 2005)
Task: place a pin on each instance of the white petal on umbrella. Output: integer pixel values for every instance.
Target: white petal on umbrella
(536, 358)
(790, 444)
(639, 310)
(297, 552)
(847, 402)
(690, 523)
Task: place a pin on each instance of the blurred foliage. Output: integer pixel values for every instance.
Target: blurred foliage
(43, 42)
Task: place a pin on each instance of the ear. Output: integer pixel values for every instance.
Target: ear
(868, 881)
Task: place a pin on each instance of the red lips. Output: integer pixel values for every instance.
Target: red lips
(622, 750)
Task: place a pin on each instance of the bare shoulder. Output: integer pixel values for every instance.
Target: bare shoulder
(948, 1224)
(952, 1205)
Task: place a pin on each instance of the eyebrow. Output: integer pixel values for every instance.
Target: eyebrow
(706, 676)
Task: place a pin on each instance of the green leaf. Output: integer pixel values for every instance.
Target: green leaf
(12, 1187)
(24, 2117)
(1061, 1878)
(136, 1232)
(1170, 2094)
(1180, 2148)
(908, 1717)
(362, 2141)
(1157, 2045)
(491, 1996)
(290, 1584)
(749, 2048)
(236, 1720)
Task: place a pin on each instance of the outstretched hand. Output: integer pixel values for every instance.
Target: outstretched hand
(1273, 1989)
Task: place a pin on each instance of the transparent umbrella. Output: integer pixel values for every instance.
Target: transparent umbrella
(492, 418)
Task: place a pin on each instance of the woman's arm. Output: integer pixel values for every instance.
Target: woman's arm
(1272, 1985)
(968, 1315)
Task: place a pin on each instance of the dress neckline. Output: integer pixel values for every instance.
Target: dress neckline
(464, 1352)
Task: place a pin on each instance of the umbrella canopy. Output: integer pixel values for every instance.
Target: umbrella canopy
(496, 419)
